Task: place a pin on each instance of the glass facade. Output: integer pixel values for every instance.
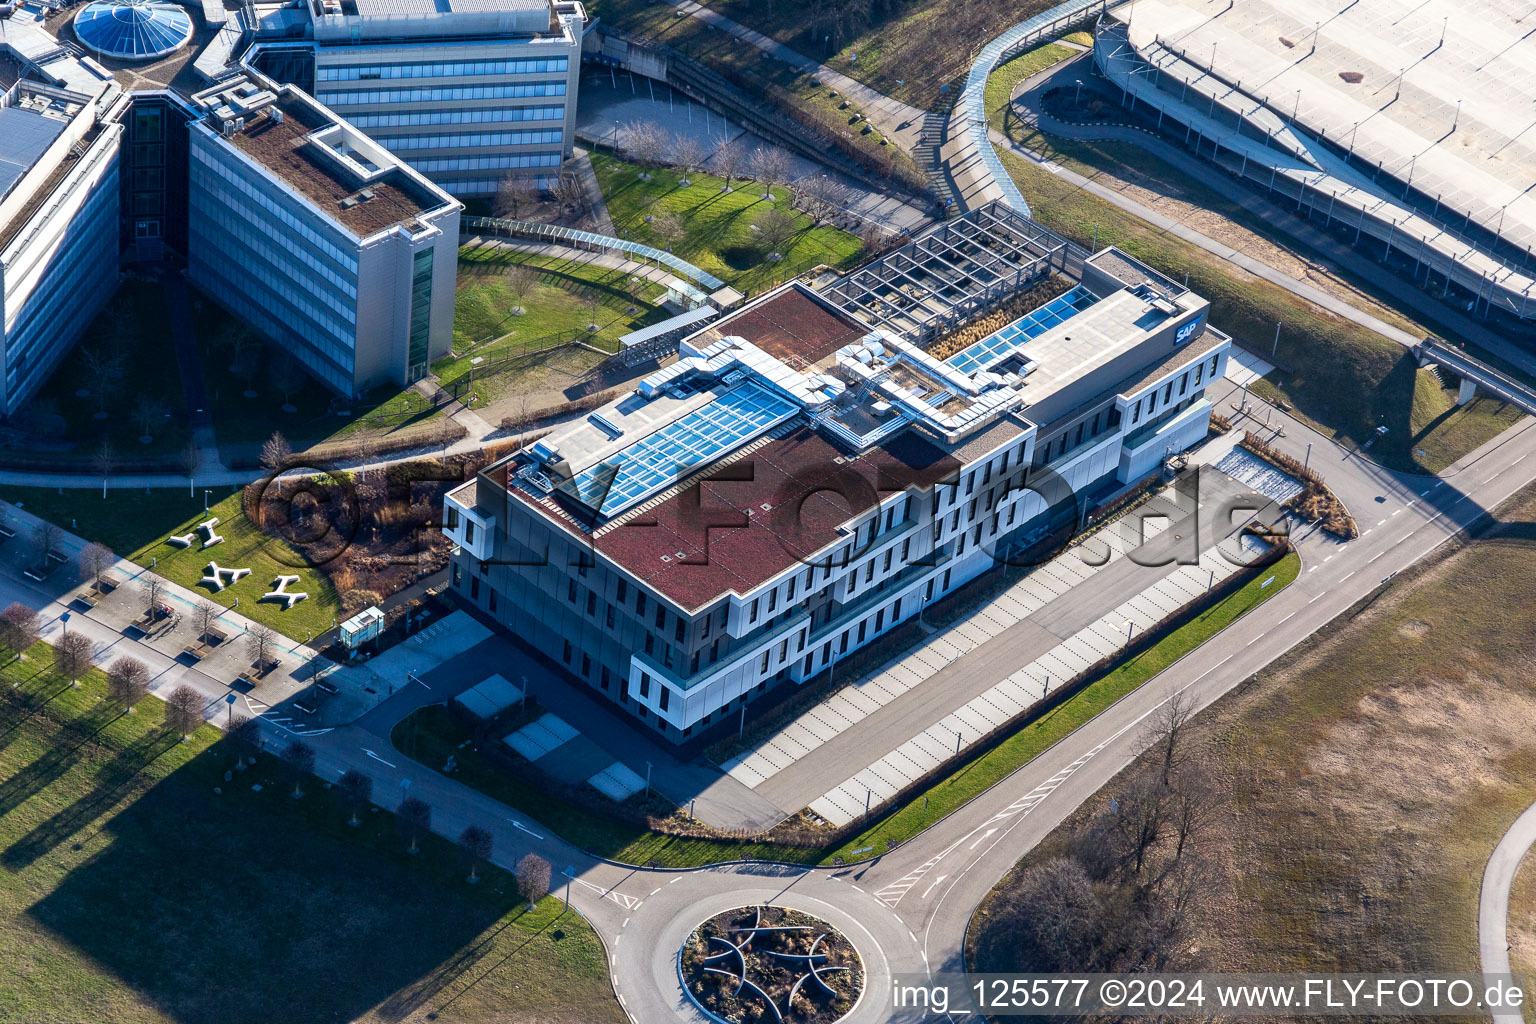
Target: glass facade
(368, 72)
(394, 143)
(421, 314)
(429, 94)
(491, 115)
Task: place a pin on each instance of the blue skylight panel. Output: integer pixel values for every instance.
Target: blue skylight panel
(702, 436)
(998, 346)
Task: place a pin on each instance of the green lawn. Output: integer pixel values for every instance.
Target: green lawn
(246, 547)
(999, 92)
(1349, 380)
(717, 226)
(432, 734)
(125, 521)
(134, 890)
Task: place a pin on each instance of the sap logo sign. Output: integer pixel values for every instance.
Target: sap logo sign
(1188, 330)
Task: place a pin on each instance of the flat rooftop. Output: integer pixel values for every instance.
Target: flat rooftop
(25, 136)
(286, 149)
(763, 513)
(793, 326)
(1398, 68)
(373, 8)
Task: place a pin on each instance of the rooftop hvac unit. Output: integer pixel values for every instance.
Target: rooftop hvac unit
(239, 124)
(228, 127)
(366, 194)
(276, 115)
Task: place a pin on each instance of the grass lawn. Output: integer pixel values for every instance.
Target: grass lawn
(999, 92)
(907, 51)
(125, 521)
(717, 226)
(1361, 783)
(245, 546)
(1349, 380)
(430, 735)
(133, 891)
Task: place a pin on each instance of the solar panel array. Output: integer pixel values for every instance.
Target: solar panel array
(994, 348)
(702, 436)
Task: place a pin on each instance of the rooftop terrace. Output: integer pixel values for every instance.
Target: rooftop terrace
(792, 326)
(286, 148)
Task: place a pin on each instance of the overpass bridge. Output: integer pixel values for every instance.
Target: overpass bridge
(1475, 374)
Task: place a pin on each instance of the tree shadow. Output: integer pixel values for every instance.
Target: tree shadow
(247, 906)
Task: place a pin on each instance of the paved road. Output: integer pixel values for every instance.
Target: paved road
(1493, 903)
(909, 909)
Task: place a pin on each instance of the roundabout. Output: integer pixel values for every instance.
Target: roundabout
(651, 957)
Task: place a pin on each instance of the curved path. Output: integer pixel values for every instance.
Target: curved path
(1493, 903)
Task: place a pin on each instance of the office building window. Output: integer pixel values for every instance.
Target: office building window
(645, 686)
(622, 592)
(608, 618)
(650, 642)
(565, 655)
(1213, 363)
(752, 611)
(491, 599)
(586, 664)
(453, 518)
(661, 617)
(570, 590)
(639, 603)
(1136, 412)
(591, 603)
(862, 627)
(1183, 383)
(763, 667)
(469, 531)
(677, 634)
(474, 588)
(604, 674)
(421, 327)
(664, 698)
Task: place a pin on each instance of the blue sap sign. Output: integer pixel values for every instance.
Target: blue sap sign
(1188, 330)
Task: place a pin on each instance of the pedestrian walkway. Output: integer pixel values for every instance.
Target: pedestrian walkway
(964, 682)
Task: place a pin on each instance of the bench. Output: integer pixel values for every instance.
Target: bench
(323, 686)
(301, 706)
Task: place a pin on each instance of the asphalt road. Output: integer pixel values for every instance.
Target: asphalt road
(1493, 901)
(908, 910)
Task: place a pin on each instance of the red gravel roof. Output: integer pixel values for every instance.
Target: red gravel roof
(701, 543)
(792, 324)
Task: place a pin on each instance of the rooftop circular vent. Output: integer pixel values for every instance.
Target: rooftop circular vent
(133, 29)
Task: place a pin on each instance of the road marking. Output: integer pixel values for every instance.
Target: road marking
(1378, 524)
(984, 835)
(936, 881)
(376, 757)
(1369, 529)
(1286, 619)
(1374, 557)
(627, 902)
(520, 825)
(1313, 569)
(1314, 598)
(1329, 558)
(1399, 511)
(1346, 578)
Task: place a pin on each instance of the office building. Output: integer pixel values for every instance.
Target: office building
(319, 237)
(800, 482)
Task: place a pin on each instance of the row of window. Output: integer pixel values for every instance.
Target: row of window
(497, 161)
(284, 249)
(478, 186)
(396, 143)
(368, 72)
(227, 176)
(1151, 399)
(481, 115)
(437, 95)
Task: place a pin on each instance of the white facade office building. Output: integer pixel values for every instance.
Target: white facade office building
(799, 482)
(319, 237)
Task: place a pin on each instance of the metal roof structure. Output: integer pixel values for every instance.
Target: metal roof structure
(24, 136)
(133, 29)
(994, 348)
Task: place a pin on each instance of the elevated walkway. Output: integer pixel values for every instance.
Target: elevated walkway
(1476, 374)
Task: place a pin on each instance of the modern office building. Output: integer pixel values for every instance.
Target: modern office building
(59, 206)
(319, 237)
(799, 482)
(465, 91)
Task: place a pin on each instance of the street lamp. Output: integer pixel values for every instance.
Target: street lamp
(205, 500)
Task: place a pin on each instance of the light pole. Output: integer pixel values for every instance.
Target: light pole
(741, 730)
(647, 778)
(205, 500)
(1308, 459)
(1274, 351)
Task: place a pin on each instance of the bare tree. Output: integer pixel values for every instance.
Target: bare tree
(776, 229)
(19, 628)
(819, 194)
(260, 640)
(1167, 731)
(204, 615)
(770, 166)
(105, 460)
(300, 757)
(520, 280)
(532, 878)
(475, 842)
(1056, 918)
(102, 371)
(276, 453)
(152, 588)
(514, 192)
(570, 193)
(669, 228)
(875, 238)
(148, 413)
(191, 458)
(357, 790)
(75, 655)
(647, 143)
(245, 737)
(592, 302)
(414, 817)
(687, 154)
(184, 710)
(727, 162)
(45, 538)
(95, 559)
(287, 376)
(127, 682)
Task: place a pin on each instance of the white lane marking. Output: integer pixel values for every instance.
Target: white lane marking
(376, 757)
(627, 902)
(935, 884)
(984, 835)
(1346, 578)
(1398, 512)
(1313, 569)
(520, 825)
(1373, 558)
